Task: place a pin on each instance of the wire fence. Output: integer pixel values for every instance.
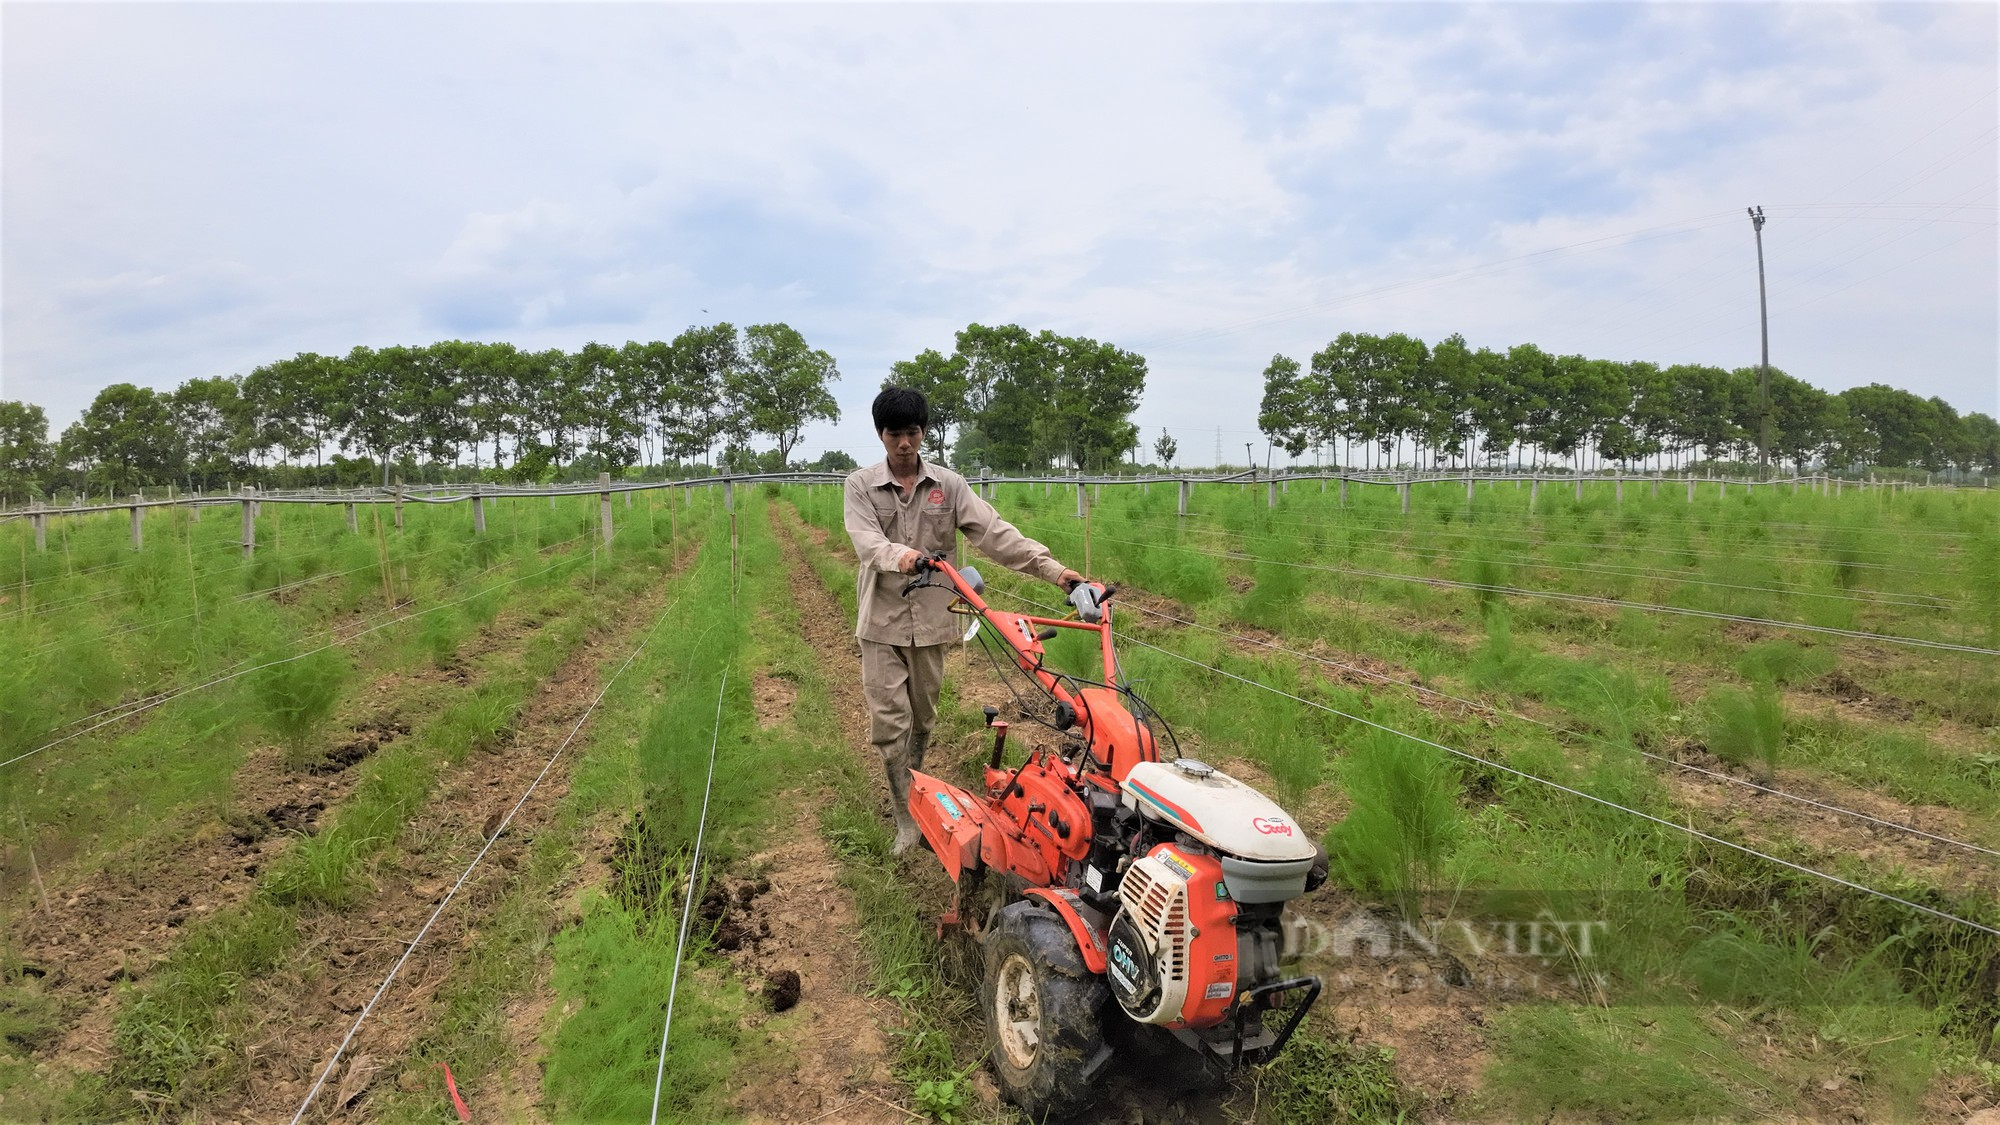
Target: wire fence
(1403, 479)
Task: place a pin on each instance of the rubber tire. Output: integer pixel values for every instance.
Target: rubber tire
(1070, 1029)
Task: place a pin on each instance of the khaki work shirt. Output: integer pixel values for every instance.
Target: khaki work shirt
(884, 523)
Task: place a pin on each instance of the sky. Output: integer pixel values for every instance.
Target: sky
(189, 190)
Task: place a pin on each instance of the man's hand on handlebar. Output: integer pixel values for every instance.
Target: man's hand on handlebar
(908, 563)
(1069, 579)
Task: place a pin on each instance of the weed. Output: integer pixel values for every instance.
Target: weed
(1320, 1080)
(1747, 728)
(946, 1099)
(1404, 823)
(297, 695)
(322, 870)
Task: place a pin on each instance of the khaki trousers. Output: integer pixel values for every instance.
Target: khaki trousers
(900, 683)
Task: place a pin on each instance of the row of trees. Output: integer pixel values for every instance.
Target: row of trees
(517, 414)
(1453, 404)
(1018, 400)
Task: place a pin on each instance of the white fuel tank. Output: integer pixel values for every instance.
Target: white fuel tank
(1216, 809)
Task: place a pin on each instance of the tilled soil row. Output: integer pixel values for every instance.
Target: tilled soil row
(305, 1009)
(839, 1039)
(120, 920)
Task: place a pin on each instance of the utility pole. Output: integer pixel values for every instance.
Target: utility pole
(1764, 367)
(1249, 460)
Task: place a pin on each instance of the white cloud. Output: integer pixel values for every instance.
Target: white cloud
(196, 189)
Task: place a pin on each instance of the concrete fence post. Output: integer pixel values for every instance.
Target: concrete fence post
(41, 521)
(1534, 492)
(1656, 486)
(1690, 490)
(1468, 492)
(1343, 490)
(249, 527)
(1079, 499)
(1579, 486)
(194, 511)
(604, 508)
(478, 511)
(1271, 493)
(1404, 488)
(1721, 487)
(1618, 489)
(353, 523)
(628, 499)
(1184, 495)
(399, 503)
(138, 528)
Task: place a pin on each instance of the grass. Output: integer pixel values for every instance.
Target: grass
(177, 1037)
(1658, 893)
(1322, 1080)
(1405, 821)
(1726, 987)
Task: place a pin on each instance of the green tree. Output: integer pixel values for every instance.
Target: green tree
(1446, 394)
(488, 388)
(781, 385)
(1498, 408)
(1285, 414)
(430, 402)
(1097, 387)
(614, 399)
(1894, 425)
(212, 420)
(941, 379)
(695, 406)
(125, 440)
(1009, 381)
(1165, 447)
(1982, 442)
(26, 458)
(833, 461)
(365, 416)
(1700, 409)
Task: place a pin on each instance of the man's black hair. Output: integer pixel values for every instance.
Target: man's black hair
(898, 408)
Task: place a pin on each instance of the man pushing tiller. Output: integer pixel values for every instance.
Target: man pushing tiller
(898, 511)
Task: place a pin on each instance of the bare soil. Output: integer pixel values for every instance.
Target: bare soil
(835, 1055)
(304, 1010)
(116, 923)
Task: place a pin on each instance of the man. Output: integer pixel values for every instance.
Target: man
(897, 511)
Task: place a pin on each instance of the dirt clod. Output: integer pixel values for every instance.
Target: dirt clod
(781, 989)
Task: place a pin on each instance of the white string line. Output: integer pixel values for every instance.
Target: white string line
(171, 696)
(687, 909)
(1585, 599)
(1476, 705)
(132, 707)
(467, 874)
(1614, 570)
(1524, 775)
